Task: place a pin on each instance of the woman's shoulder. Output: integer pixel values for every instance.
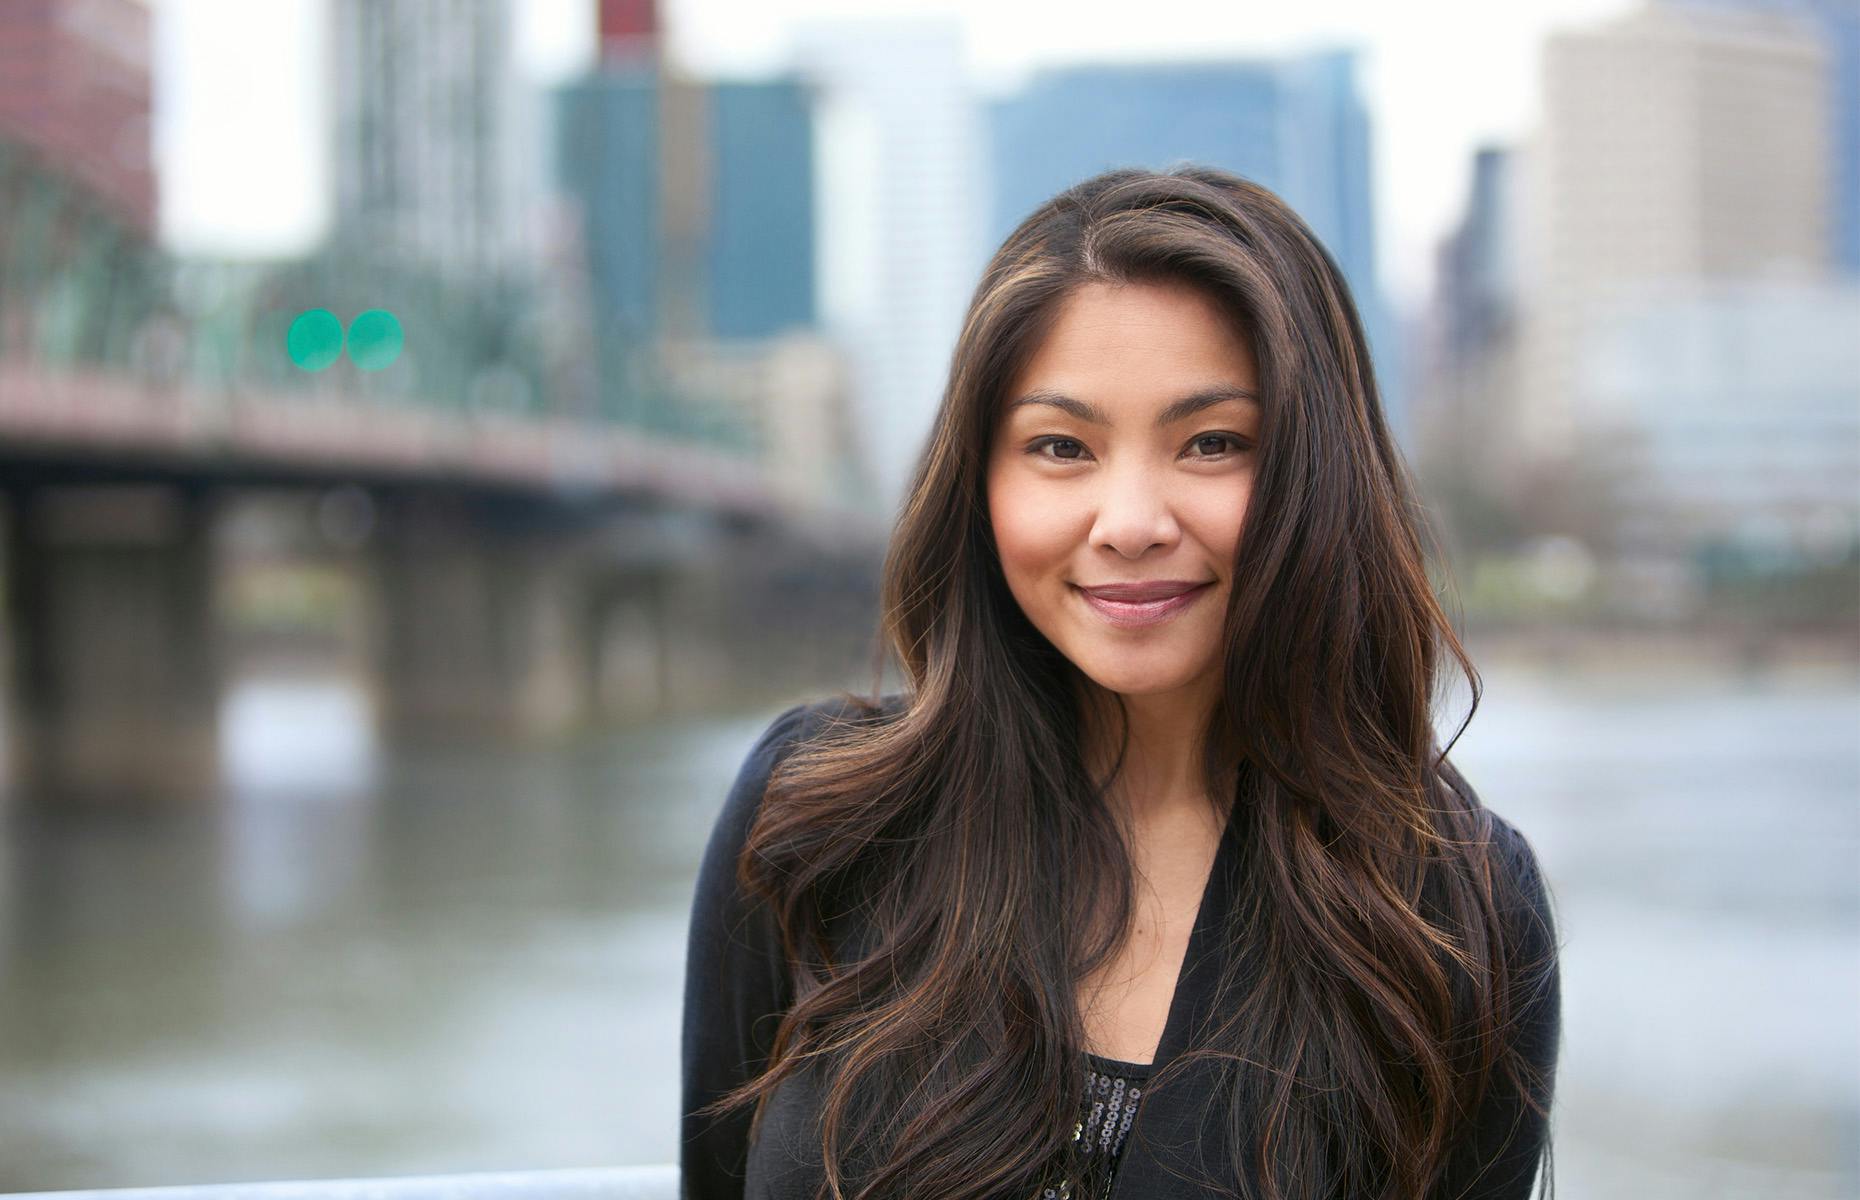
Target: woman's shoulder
(846, 708)
(1532, 905)
(802, 722)
(1515, 850)
(717, 886)
(1518, 857)
(794, 727)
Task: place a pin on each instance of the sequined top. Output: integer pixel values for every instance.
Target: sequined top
(1113, 1089)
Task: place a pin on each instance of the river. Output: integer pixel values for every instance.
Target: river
(369, 960)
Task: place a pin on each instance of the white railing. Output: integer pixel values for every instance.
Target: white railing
(604, 1183)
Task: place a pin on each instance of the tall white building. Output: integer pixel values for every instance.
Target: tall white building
(434, 139)
(1678, 145)
(902, 209)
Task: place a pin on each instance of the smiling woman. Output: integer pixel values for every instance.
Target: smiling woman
(1155, 882)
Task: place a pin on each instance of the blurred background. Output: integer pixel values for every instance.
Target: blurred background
(373, 676)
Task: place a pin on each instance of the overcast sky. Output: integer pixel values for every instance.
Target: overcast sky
(239, 91)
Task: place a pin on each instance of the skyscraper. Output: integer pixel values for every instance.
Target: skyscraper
(904, 203)
(1838, 25)
(1679, 143)
(430, 161)
(1465, 411)
(697, 218)
(759, 244)
(697, 198)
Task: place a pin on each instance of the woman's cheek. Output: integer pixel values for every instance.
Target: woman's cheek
(1030, 530)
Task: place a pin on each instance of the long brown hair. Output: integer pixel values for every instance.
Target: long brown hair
(942, 877)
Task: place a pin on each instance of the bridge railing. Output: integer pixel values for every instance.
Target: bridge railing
(80, 291)
(656, 1182)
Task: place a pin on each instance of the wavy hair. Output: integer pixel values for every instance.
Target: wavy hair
(942, 877)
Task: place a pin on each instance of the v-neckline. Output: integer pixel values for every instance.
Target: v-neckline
(1191, 985)
(1186, 956)
(1172, 1033)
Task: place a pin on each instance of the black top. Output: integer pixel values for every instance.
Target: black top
(736, 988)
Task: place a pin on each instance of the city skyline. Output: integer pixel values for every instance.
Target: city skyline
(245, 165)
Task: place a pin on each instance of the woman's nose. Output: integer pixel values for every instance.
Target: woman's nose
(1134, 513)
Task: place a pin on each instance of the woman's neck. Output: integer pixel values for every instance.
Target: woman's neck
(1161, 778)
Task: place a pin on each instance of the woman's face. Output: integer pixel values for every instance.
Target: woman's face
(1124, 455)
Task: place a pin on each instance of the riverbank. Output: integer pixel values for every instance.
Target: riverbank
(1827, 656)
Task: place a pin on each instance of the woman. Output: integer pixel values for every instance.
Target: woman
(1155, 878)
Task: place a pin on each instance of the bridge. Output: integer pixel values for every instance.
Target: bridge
(552, 523)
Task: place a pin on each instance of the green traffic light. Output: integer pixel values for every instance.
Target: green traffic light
(314, 340)
(375, 339)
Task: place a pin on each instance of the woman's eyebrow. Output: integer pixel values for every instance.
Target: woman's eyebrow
(1187, 406)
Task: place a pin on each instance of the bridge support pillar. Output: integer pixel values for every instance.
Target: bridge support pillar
(481, 629)
(116, 662)
(633, 661)
(673, 617)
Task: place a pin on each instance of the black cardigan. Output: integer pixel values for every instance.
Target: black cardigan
(736, 988)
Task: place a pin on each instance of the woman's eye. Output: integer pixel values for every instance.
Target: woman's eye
(1208, 445)
(1220, 440)
(1043, 443)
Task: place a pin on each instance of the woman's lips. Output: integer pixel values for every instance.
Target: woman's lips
(1129, 614)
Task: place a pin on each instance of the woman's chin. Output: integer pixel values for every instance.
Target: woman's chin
(1124, 681)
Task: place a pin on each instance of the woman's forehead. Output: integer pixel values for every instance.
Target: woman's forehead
(1171, 335)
